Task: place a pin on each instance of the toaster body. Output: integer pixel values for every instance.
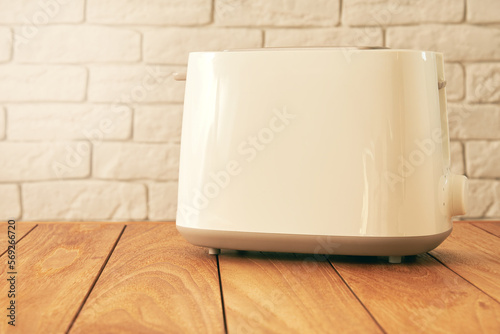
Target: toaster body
(327, 150)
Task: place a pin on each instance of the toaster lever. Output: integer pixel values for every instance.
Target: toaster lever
(179, 76)
(458, 192)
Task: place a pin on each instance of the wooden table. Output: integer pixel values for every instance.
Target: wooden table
(145, 278)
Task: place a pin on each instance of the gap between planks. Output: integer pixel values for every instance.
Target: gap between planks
(356, 296)
(475, 226)
(465, 279)
(95, 281)
(221, 295)
(22, 237)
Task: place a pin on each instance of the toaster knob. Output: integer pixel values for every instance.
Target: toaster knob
(458, 195)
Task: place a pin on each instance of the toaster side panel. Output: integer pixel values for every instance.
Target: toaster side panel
(312, 143)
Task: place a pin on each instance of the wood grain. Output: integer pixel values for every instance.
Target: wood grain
(473, 254)
(288, 293)
(419, 296)
(21, 230)
(56, 266)
(491, 227)
(155, 282)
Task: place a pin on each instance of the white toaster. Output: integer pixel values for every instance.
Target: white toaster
(317, 150)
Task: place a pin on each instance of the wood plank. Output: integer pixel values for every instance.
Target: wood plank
(420, 295)
(128, 223)
(473, 254)
(155, 282)
(21, 230)
(288, 293)
(491, 227)
(56, 266)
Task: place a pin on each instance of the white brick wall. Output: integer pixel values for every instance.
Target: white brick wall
(80, 44)
(483, 82)
(388, 12)
(34, 161)
(84, 200)
(132, 161)
(484, 198)
(90, 118)
(325, 37)
(289, 13)
(60, 121)
(483, 159)
(2, 123)
(150, 12)
(483, 11)
(5, 42)
(134, 84)
(162, 200)
(23, 83)
(459, 42)
(455, 74)
(10, 205)
(158, 123)
(188, 40)
(32, 14)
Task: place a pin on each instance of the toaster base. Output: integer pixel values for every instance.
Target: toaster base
(313, 244)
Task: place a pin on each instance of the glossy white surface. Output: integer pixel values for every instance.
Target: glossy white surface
(317, 142)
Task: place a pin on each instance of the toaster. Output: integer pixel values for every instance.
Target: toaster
(317, 150)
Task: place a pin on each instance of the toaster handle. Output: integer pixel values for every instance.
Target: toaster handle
(441, 84)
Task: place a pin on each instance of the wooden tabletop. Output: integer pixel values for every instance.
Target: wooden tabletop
(145, 278)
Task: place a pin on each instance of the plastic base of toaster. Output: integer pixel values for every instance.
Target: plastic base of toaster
(313, 244)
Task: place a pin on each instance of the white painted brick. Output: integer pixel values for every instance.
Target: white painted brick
(44, 161)
(457, 42)
(484, 199)
(158, 123)
(5, 44)
(2, 123)
(80, 43)
(455, 82)
(129, 161)
(135, 83)
(68, 121)
(84, 200)
(161, 12)
(483, 159)
(457, 158)
(474, 121)
(42, 83)
(33, 14)
(483, 82)
(172, 45)
(483, 11)
(162, 201)
(390, 12)
(370, 36)
(10, 202)
(293, 13)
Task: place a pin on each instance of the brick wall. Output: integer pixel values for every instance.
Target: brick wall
(90, 118)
